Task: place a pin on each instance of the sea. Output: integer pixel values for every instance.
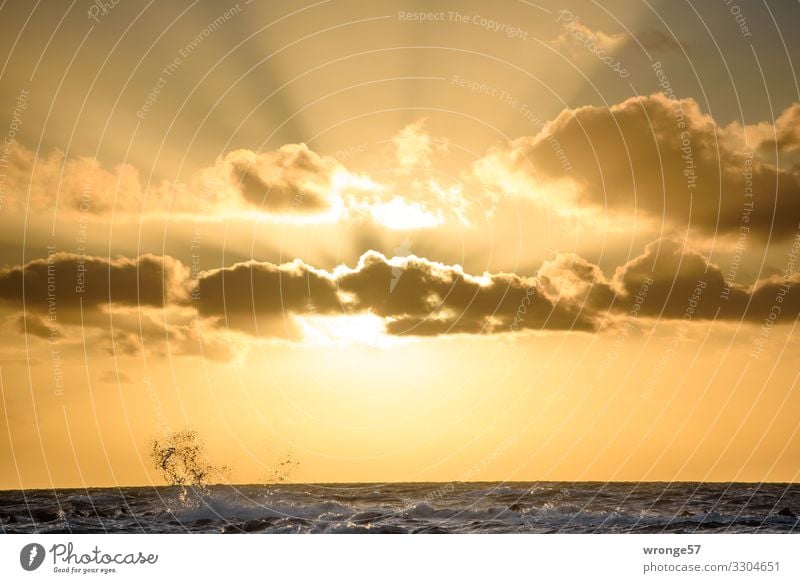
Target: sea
(463, 507)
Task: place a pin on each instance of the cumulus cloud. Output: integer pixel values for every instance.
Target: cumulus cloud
(414, 295)
(770, 140)
(414, 147)
(292, 183)
(432, 298)
(35, 326)
(290, 179)
(116, 299)
(63, 282)
(787, 129)
(783, 136)
(83, 185)
(654, 155)
(153, 300)
(671, 281)
(682, 284)
(672, 275)
(256, 297)
(571, 277)
(78, 183)
(125, 306)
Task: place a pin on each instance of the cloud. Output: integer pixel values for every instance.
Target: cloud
(290, 179)
(80, 183)
(672, 275)
(654, 155)
(767, 139)
(576, 36)
(571, 277)
(784, 135)
(113, 377)
(255, 297)
(414, 147)
(151, 303)
(83, 186)
(655, 158)
(433, 298)
(64, 282)
(173, 329)
(291, 184)
(124, 306)
(670, 281)
(427, 298)
(657, 40)
(682, 284)
(787, 129)
(35, 326)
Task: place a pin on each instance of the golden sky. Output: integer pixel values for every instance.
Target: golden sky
(400, 241)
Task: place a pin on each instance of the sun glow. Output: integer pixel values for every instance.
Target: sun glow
(362, 329)
(400, 215)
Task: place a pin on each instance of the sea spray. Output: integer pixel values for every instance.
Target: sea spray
(182, 461)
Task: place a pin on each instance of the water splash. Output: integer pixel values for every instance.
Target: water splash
(182, 461)
(282, 470)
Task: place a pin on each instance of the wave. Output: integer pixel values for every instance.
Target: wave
(410, 508)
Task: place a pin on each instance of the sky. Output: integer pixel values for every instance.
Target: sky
(400, 241)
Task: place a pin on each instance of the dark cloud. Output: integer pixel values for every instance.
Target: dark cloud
(682, 284)
(416, 296)
(128, 305)
(292, 178)
(419, 297)
(36, 326)
(432, 298)
(668, 159)
(255, 296)
(151, 303)
(63, 282)
(658, 40)
(115, 377)
(671, 276)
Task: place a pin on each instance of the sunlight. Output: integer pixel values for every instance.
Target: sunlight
(344, 330)
(399, 215)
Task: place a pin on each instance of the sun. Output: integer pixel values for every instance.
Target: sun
(400, 215)
(344, 330)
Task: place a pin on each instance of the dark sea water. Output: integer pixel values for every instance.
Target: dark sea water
(541, 507)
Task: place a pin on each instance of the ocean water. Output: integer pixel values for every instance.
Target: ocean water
(540, 507)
